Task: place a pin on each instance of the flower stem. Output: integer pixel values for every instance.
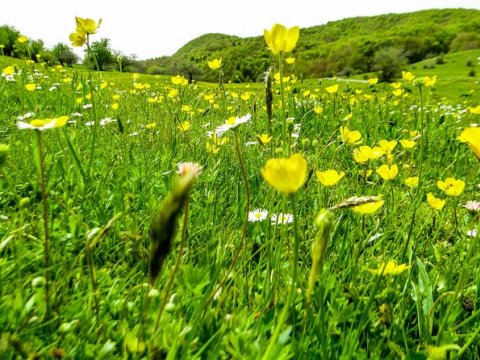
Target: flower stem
(286, 148)
(292, 291)
(247, 204)
(46, 246)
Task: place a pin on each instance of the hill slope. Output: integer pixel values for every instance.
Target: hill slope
(346, 46)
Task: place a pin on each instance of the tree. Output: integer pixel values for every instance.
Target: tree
(36, 47)
(8, 37)
(64, 54)
(389, 62)
(100, 54)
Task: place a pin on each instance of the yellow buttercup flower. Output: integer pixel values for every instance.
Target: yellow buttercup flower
(22, 39)
(451, 186)
(264, 139)
(179, 80)
(412, 182)
(429, 81)
(332, 89)
(387, 146)
(286, 175)
(407, 144)
(365, 153)
(9, 70)
(474, 110)
(280, 39)
(318, 109)
(471, 136)
(435, 203)
(329, 177)
(87, 26)
(78, 39)
(390, 268)
(368, 208)
(372, 81)
(397, 92)
(184, 126)
(407, 76)
(350, 137)
(215, 64)
(290, 60)
(30, 87)
(388, 172)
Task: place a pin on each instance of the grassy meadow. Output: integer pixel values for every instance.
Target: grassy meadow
(145, 217)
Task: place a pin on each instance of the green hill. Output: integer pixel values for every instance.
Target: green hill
(344, 47)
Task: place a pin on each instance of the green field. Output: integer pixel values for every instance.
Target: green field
(109, 249)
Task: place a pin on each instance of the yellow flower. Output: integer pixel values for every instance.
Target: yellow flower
(172, 93)
(115, 106)
(179, 80)
(22, 39)
(186, 108)
(329, 177)
(78, 39)
(87, 26)
(332, 89)
(474, 110)
(368, 208)
(372, 81)
(152, 125)
(387, 146)
(290, 60)
(350, 137)
(365, 153)
(390, 268)
(264, 139)
(246, 96)
(212, 148)
(471, 136)
(30, 87)
(397, 92)
(412, 182)
(429, 81)
(407, 76)
(184, 126)
(451, 186)
(280, 39)
(286, 175)
(215, 64)
(435, 203)
(388, 173)
(9, 70)
(407, 144)
(318, 109)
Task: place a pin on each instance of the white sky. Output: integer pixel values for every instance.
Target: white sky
(149, 28)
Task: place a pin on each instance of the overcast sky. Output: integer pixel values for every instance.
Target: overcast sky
(149, 28)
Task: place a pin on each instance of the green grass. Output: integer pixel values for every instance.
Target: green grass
(458, 77)
(230, 288)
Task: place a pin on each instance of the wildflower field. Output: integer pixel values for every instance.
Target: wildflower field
(149, 217)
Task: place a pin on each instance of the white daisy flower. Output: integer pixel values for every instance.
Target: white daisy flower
(257, 215)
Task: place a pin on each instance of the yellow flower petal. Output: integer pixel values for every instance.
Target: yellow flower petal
(369, 208)
(286, 175)
(471, 136)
